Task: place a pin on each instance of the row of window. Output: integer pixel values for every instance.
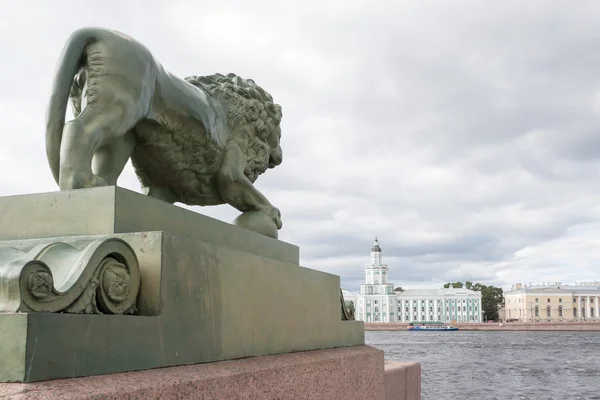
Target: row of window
(416, 318)
(560, 312)
(439, 310)
(537, 300)
(459, 309)
(437, 301)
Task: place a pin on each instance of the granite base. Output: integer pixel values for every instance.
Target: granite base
(357, 372)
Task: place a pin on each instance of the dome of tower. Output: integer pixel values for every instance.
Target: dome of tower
(376, 247)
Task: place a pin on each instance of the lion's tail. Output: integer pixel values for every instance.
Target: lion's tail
(71, 59)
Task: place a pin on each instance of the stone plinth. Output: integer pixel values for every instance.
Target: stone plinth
(402, 380)
(209, 291)
(111, 209)
(350, 373)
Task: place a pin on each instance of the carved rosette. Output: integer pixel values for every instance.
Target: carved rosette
(92, 277)
(40, 284)
(114, 285)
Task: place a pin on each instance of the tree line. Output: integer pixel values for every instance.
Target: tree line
(492, 297)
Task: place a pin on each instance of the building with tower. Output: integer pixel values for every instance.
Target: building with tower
(376, 300)
(376, 296)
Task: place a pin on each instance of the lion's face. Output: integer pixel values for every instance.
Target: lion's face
(276, 157)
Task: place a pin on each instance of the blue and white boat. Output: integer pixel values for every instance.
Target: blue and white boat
(431, 326)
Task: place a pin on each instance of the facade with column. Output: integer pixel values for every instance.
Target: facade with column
(376, 300)
(553, 302)
(442, 305)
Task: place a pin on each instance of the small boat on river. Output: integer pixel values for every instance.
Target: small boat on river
(431, 326)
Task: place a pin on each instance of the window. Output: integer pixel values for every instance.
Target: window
(560, 311)
(548, 300)
(591, 311)
(560, 300)
(574, 311)
(548, 312)
(574, 300)
(536, 300)
(537, 311)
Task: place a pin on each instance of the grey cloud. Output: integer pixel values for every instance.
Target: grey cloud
(459, 133)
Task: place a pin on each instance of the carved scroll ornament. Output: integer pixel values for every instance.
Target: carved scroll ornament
(92, 277)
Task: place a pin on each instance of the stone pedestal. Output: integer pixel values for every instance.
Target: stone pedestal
(349, 373)
(208, 291)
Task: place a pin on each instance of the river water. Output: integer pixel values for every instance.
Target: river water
(499, 365)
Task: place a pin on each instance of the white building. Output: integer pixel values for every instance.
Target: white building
(376, 300)
(552, 302)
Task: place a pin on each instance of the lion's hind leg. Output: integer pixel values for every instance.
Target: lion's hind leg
(159, 193)
(100, 124)
(110, 160)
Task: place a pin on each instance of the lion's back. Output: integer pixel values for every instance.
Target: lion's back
(178, 155)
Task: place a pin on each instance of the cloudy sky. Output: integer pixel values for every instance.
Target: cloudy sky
(465, 134)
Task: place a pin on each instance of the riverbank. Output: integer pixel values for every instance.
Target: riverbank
(505, 326)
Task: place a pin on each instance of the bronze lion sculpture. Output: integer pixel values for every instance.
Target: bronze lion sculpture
(199, 141)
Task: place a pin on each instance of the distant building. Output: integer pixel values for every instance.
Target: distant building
(552, 302)
(376, 300)
(502, 313)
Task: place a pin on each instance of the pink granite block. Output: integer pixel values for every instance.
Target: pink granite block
(395, 380)
(402, 380)
(413, 381)
(346, 373)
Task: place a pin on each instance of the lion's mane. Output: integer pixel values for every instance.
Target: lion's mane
(251, 116)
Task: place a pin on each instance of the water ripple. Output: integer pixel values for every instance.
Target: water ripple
(471, 365)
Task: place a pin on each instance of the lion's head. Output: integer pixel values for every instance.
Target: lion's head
(252, 117)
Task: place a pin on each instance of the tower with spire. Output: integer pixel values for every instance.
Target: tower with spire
(377, 293)
(376, 272)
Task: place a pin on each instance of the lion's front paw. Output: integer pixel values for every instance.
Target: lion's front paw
(258, 221)
(275, 215)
